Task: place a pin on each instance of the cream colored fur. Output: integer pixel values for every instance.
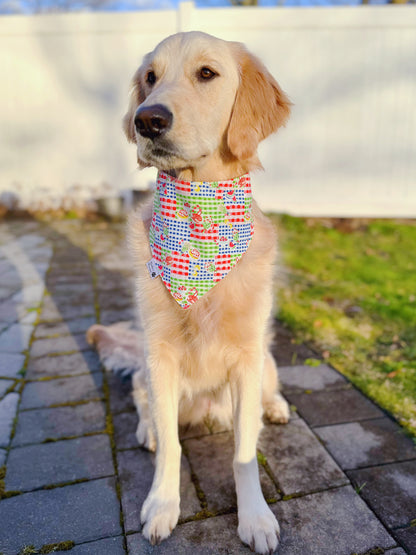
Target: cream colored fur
(212, 359)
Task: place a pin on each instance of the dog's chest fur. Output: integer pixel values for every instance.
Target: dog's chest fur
(210, 336)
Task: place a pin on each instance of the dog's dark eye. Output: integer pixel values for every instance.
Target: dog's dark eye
(151, 78)
(206, 74)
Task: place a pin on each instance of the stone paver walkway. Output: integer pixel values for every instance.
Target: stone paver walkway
(341, 476)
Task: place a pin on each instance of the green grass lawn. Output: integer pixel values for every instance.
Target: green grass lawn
(351, 294)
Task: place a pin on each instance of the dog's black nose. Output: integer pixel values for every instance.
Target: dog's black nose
(153, 121)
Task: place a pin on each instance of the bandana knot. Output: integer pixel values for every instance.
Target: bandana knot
(198, 233)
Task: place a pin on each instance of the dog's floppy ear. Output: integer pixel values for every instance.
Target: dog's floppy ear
(260, 107)
(137, 96)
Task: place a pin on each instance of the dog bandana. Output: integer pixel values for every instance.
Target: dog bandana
(199, 231)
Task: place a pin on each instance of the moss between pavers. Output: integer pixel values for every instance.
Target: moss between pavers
(56, 376)
(6, 494)
(261, 459)
(304, 494)
(205, 513)
(64, 484)
(12, 387)
(72, 403)
(106, 398)
(194, 479)
(14, 424)
(61, 546)
(20, 384)
(28, 550)
(3, 493)
(47, 548)
(65, 438)
(373, 551)
(59, 353)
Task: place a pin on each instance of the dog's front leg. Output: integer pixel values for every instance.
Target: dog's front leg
(257, 526)
(160, 511)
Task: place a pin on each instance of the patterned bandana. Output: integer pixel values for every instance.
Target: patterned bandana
(199, 231)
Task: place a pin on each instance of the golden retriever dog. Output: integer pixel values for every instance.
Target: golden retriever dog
(198, 109)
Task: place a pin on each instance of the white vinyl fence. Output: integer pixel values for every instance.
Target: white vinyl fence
(348, 150)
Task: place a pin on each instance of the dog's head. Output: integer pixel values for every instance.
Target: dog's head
(196, 97)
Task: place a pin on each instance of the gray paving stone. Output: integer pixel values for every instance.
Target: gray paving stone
(29, 318)
(4, 386)
(62, 289)
(11, 364)
(33, 242)
(333, 407)
(54, 329)
(7, 291)
(335, 521)
(3, 454)
(61, 277)
(212, 536)
(125, 425)
(367, 443)
(114, 282)
(34, 466)
(71, 258)
(390, 490)
(61, 344)
(74, 298)
(396, 551)
(313, 378)
(54, 309)
(121, 399)
(10, 312)
(285, 350)
(108, 317)
(62, 390)
(30, 295)
(113, 260)
(10, 283)
(115, 301)
(407, 538)
(38, 425)
(190, 504)
(107, 546)
(80, 512)
(297, 459)
(16, 338)
(63, 365)
(136, 469)
(201, 429)
(8, 409)
(211, 458)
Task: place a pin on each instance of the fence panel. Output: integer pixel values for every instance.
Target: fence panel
(348, 150)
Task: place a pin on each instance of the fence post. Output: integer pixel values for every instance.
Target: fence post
(185, 11)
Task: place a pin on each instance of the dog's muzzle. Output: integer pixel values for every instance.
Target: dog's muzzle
(154, 121)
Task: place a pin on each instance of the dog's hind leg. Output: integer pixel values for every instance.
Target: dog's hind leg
(257, 526)
(275, 407)
(145, 433)
(160, 511)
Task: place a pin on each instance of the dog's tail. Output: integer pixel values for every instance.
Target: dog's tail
(119, 346)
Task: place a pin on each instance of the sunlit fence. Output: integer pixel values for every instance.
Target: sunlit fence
(348, 150)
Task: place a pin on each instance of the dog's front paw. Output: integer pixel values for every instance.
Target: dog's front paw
(260, 530)
(145, 435)
(277, 410)
(159, 517)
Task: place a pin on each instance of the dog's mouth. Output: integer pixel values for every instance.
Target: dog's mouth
(156, 153)
(163, 155)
